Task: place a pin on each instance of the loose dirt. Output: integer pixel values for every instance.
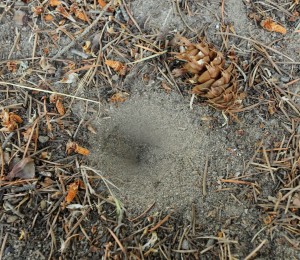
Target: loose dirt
(160, 150)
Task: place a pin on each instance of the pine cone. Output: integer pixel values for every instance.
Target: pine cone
(212, 79)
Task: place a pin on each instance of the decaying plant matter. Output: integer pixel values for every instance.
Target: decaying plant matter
(212, 78)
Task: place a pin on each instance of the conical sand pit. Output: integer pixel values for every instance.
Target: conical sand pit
(154, 149)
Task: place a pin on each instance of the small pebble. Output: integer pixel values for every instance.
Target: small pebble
(115, 77)
(285, 79)
(185, 244)
(43, 204)
(43, 139)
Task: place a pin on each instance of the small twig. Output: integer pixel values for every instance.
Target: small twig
(259, 43)
(204, 178)
(3, 245)
(253, 253)
(49, 92)
(165, 219)
(268, 163)
(84, 33)
(143, 214)
(131, 17)
(118, 241)
(237, 182)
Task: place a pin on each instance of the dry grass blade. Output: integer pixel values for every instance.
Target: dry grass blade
(254, 252)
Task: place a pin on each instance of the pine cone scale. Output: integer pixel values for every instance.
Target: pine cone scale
(212, 78)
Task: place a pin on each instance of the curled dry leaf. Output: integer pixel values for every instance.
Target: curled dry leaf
(60, 107)
(24, 169)
(10, 121)
(57, 99)
(102, 3)
(117, 66)
(73, 189)
(48, 18)
(63, 11)
(12, 66)
(54, 3)
(272, 26)
(119, 97)
(74, 147)
(78, 12)
(166, 87)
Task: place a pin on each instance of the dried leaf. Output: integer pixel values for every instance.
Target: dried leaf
(24, 169)
(63, 11)
(166, 87)
(54, 2)
(78, 12)
(272, 26)
(117, 66)
(82, 150)
(74, 147)
(119, 97)
(72, 191)
(81, 15)
(48, 18)
(12, 66)
(102, 3)
(10, 121)
(60, 107)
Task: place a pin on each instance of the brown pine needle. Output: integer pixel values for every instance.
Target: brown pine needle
(165, 219)
(117, 240)
(237, 182)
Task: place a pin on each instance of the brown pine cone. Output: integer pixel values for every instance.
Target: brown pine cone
(212, 79)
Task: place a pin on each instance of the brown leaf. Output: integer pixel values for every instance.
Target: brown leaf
(24, 169)
(63, 11)
(60, 107)
(119, 97)
(54, 2)
(117, 66)
(10, 121)
(102, 3)
(12, 66)
(72, 191)
(272, 26)
(74, 147)
(48, 18)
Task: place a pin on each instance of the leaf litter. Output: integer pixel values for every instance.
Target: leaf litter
(34, 189)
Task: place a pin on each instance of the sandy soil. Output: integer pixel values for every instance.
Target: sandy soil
(156, 149)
